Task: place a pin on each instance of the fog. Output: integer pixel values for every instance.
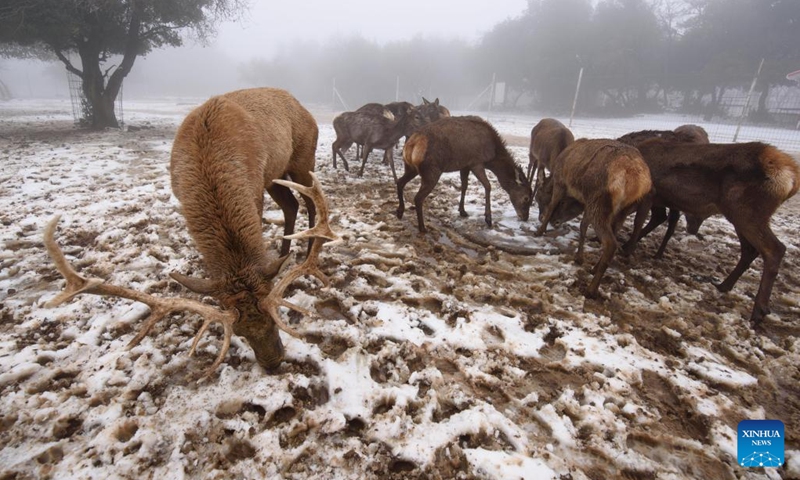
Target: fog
(265, 31)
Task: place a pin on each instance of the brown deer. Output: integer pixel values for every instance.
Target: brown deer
(549, 138)
(683, 134)
(226, 152)
(399, 108)
(372, 131)
(610, 180)
(432, 111)
(744, 182)
(465, 144)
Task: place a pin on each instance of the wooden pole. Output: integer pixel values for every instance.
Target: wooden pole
(575, 100)
(747, 101)
(491, 95)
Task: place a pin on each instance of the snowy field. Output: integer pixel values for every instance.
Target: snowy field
(437, 356)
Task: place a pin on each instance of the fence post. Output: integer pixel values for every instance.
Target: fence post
(747, 101)
(491, 96)
(575, 100)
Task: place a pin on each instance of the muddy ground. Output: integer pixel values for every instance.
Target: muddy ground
(648, 381)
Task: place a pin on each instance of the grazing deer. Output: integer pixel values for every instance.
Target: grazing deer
(372, 131)
(465, 144)
(745, 182)
(609, 179)
(225, 153)
(658, 214)
(549, 138)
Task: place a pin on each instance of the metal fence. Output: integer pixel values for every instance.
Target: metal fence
(733, 114)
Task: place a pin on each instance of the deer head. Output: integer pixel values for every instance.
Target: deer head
(251, 311)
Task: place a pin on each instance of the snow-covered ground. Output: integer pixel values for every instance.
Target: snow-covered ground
(435, 356)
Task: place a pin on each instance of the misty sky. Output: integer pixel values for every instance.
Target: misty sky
(270, 23)
(194, 70)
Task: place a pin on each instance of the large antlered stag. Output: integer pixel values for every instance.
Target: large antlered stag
(226, 152)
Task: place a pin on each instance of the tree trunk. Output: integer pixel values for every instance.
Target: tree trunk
(98, 111)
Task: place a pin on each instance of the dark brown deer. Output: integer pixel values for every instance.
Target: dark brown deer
(372, 131)
(549, 138)
(376, 109)
(658, 215)
(744, 182)
(464, 144)
(432, 111)
(399, 108)
(610, 180)
(226, 152)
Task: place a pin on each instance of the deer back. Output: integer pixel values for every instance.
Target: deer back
(225, 153)
(594, 171)
(549, 138)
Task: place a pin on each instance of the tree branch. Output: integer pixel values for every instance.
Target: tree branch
(66, 61)
(132, 45)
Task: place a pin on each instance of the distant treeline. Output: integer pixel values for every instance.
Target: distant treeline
(637, 56)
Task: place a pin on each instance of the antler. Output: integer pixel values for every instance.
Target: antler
(159, 307)
(322, 231)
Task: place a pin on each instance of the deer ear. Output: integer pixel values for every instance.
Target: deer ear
(198, 285)
(425, 101)
(436, 102)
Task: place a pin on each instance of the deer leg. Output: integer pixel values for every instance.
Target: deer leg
(608, 242)
(693, 224)
(286, 200)
(771, 250)
(479, 172)
(305, 178)
(581, 239)
(672, 221)
(657, 216)
(364, 154)
(748, 254)
(757, 238)
(428, 182)
(337, 144)
(559, 192)
(641, 213)
(388, 156)
(408, 175)
(464, 180)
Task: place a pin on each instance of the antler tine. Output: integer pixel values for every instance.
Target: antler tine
(322, 229)
(159, 307)
(311, 264)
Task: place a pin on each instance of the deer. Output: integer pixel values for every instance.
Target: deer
(746, 183)
(549, 138)
(464, 144)
(225, 153)
(372, 131)
(683, 134)
(399, 108)
(373, 109)
(609, 179)
(432, 111)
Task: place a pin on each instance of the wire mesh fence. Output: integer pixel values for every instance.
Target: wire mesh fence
(81, 109)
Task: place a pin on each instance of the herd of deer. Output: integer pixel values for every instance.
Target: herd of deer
(234, 146)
